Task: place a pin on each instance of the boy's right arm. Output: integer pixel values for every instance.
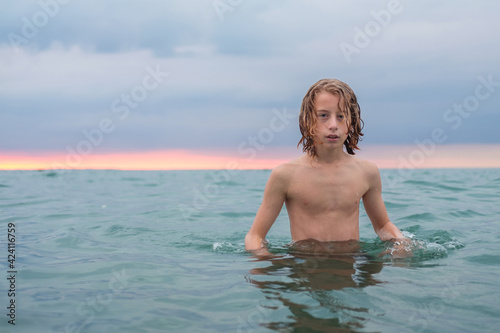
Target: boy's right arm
(274, 197)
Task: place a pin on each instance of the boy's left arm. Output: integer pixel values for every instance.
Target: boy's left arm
(375, 207)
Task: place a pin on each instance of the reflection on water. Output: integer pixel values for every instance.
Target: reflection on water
(306, 282)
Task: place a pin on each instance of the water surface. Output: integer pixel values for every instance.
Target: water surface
(162, 251)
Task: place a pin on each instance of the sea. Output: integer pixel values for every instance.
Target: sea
(163, 251)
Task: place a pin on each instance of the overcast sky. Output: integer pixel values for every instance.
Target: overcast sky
(208, 74)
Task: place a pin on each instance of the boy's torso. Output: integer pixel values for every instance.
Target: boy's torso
(323, 202)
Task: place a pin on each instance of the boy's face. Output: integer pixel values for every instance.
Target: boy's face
(331, 124)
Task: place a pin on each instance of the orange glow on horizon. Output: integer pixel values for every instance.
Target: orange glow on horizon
(152, 160)
(385, 156)
(437, 157)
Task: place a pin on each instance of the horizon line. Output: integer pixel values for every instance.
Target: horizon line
(464, 156)
(248, 169)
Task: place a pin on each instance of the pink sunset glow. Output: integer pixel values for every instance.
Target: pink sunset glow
(386, 157)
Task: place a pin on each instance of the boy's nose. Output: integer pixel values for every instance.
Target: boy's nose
(333, 123)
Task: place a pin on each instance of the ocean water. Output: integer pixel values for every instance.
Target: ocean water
(163, 251)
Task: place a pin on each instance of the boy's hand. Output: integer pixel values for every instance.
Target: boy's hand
(261, 253)
(401, 248)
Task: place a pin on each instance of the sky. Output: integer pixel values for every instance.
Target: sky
(219, 83)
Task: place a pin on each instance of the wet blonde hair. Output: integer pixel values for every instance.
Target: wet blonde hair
(348, 105)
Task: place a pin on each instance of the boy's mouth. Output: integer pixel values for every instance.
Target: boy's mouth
(332, 136)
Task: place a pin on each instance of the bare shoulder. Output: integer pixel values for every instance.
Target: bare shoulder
(286, 172)
(288, 169)
(368, 169)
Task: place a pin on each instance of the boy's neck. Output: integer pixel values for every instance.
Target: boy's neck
(328, 157)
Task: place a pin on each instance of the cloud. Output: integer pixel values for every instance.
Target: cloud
(111, 27)
(226, 76)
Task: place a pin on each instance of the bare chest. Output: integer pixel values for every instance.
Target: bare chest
(326, 192)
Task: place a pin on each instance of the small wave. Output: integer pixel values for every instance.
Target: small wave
(120, 231)
(453, 245)
(485, 259)
(237, 214)
(132, 179)
(435, 185)
(228, 183)
(444, 198)
(465, 213)
(227, 247)
(114, 229)
(51, 174)
(439, 244)
(392, 205)
(435, 249)
(421, 217)
(69, 241)
(444, 238)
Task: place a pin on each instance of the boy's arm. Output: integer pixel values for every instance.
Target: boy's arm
(274, 197)
(375, 207)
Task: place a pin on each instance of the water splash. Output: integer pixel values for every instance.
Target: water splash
(227, 247)
(435, 244)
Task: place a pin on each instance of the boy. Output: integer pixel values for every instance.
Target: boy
(322, 188)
